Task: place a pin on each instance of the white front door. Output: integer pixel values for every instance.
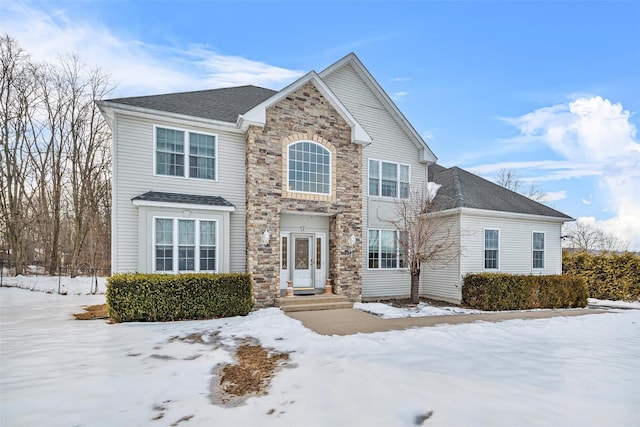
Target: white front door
(303, 267)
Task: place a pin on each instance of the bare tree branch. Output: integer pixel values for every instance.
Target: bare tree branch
(425, 235)
(583, 236)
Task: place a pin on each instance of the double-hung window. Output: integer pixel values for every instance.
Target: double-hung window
(183, 244)
(538, 250)
(185, 154)
(385, 251)
(491, 249)
(388, 179)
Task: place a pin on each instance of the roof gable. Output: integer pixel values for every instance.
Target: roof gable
(426, 155)
(466, 190)
(257, 115)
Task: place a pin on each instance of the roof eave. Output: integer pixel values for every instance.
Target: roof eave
(180, 205)
(109, 108)
(505, 214)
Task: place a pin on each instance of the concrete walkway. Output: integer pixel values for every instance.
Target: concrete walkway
(351, 321)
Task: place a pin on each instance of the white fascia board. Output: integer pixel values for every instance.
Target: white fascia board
(257, 115)
(183, 206)
(110, 108)
(512, 215)
(426, 155)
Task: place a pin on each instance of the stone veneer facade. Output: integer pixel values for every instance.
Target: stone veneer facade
(303, 115)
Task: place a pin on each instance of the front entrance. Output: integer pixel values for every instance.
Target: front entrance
(302, 261)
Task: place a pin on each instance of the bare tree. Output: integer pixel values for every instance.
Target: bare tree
(55, 179)
(508, 179)
(425, 234)
(18, 95)
(584, 236)
(87, 142)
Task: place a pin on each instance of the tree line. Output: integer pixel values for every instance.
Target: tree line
(580, 235)
(55, 190)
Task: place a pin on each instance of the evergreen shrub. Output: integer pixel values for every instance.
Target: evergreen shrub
(609, 276)
(168, 297)
(500, 291)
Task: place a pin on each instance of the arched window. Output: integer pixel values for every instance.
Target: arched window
(309, 168)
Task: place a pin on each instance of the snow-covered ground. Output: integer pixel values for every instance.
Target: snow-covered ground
(603, 303)
(564, 371)
(421, 310)
(81, 285)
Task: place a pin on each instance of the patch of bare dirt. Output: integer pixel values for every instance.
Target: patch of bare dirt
(250, 376)
(92, 312)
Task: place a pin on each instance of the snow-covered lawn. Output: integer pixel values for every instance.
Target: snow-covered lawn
(564, 371)
(80, 285)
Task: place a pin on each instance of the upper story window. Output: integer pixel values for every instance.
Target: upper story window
(538, 250)
(491, 249)
(185, 154)
(388, 179)
(309, 168)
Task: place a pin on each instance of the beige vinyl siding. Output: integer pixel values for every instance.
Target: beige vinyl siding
(516, 234)
(390, 143)
(134, 156)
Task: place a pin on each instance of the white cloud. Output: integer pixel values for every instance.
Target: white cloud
(427, 135)
(588, 201)
(399, 95)
(138, 68)
(553, 196)
(596, 137)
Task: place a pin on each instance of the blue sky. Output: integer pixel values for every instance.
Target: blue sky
(548, 89)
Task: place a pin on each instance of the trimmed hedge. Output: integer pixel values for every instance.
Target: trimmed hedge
(499, 291)
(609, 276)
(163, 297)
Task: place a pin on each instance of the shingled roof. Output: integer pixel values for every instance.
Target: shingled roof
(462, 189)
(192, 199)
(216, 104)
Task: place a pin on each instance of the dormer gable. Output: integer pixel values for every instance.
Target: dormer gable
(257, 115)
(351, 60)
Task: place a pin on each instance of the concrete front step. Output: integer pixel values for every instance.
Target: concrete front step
(313, 303)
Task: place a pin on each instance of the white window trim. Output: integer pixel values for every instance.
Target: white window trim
(484, 248)
(186, 153)
(379, 195)
(544, 250)
(398, 250)
(289, 189)
(175, 245)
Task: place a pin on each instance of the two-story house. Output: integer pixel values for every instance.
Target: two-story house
(294, 186)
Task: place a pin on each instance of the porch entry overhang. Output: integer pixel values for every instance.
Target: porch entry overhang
(304, 251)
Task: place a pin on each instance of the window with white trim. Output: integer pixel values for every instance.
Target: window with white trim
(388, 179)
(491, 249)
(185, 154)
(538, 249)
(184, 244)
(309, 169)
(385, 251)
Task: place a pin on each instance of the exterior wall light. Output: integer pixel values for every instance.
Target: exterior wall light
(352, 242)
(265, 238)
